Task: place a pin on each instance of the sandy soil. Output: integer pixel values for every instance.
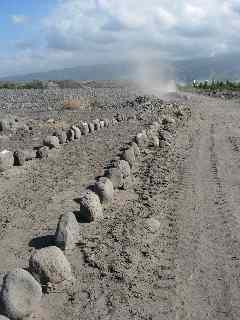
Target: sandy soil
(188, 269)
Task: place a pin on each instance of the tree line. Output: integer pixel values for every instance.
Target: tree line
(217, 85)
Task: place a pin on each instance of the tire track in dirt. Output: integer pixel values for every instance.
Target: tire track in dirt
(208, 249)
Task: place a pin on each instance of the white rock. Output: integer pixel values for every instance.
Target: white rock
(104, 189)
(90, 206)
(20, 295)
(91, 127)
(77, 132)
(51, 142)
(67, 233)
(102, 124)
(84, 128)
(106, 123)
(50, 265)
(62, 136)
(70, 135)
(6, 160)
(124, 168)
(156, 142)
(3, 318)
(136, 150)
(115, 175)
(129, 156)
(96, 123)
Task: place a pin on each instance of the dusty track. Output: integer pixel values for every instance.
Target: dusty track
(208, 250)
(187, 270)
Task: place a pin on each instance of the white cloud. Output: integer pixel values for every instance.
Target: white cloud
(18, 18)
(97, 31)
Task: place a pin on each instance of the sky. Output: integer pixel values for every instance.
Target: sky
(52, 34)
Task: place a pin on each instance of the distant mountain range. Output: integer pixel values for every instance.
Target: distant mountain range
(220, 67)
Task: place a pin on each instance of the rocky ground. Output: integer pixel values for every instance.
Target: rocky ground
(168, 246)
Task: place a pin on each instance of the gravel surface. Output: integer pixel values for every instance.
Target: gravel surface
(167, 248)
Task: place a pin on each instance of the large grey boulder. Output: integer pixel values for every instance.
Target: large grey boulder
(96, 123)
(62, 136)
(84, 128)
(90, 206)
(70, 135)
(129, 156)
(115, 175)
(7, 124)
(91, 127)
(20, 156)
(124, 168)
(3, 318)
(51, 142)
(102, 124)
(6, 160)
(20, 295)
(42, 152)
(50, 265)
(67, 233)
(104, 189)
(106, 122)
(77, 132)
(155, 141)
(142, 139)
(114, 122)
(136, 150)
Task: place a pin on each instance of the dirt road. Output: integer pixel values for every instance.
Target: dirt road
(208, 217)
(127, 266)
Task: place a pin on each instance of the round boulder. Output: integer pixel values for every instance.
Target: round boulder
(6, 160)
(155, 141)
(106, 123)
(136, 149)
(102, 124)
(20, 295)
(124, 168)
(129, 156)
(20, 156)
(104, 189)
(91, 127)
(90, 206)
(96, 123)
(67, 233)
(42, 152)
(114, 122)
(51, 142)
(3, 318)
(70, 135)
(50, 265)
(115, 175)
(62, 136)
(84, 128)
(77, 132)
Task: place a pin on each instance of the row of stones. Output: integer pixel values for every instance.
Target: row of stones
(8, 159)
(21, 290)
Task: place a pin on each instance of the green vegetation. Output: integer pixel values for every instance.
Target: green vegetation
(36, 84)
(216, 85)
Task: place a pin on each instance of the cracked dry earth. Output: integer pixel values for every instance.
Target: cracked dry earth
(125, 268)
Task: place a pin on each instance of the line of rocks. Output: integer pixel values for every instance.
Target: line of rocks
(8, 159)
(22, 290)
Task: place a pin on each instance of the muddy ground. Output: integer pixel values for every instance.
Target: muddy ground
(188, 269)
